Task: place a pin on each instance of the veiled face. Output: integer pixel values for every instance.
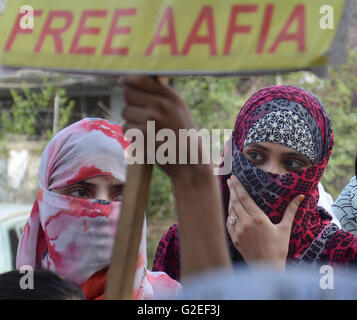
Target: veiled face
(276, 158)
(101, 187)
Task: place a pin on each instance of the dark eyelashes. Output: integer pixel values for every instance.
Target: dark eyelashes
(80, 190)
(84, 193)
(253, 155)
(299, 161)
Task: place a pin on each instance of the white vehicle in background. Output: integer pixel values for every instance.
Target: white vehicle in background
(13, 217)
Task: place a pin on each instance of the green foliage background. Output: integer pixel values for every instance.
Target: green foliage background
(23, 117)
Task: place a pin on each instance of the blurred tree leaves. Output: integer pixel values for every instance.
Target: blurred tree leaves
(26, 114)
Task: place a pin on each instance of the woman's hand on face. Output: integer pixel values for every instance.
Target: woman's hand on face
(258, 240)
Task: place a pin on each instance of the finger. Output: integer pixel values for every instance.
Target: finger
(145, 83)
(134, 96)
(232, 214)
(232, 230)
(231, 209)
(138, 115)
(290, 211)
(236, 204)
(244, 198)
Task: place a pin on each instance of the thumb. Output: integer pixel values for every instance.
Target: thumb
(291, 210)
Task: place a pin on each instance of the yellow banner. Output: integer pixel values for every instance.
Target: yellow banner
(168, 36)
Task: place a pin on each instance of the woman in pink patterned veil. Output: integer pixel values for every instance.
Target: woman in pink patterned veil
(72, 225)
(291, 119)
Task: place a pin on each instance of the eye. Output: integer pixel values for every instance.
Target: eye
(255, 156)
(79, 193)
(117, 197)
(294, 164)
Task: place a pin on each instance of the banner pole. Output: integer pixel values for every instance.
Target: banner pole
(122, 268)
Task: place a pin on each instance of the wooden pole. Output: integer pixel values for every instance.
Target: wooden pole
(126, 247)
(127, 240)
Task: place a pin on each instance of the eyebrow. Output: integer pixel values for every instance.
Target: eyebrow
(92, 185)
(86, 184)
(255, 145)
(117, 186)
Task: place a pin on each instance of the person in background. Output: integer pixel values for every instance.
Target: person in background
(44, 285)
(345, 207)
(326, 202)
(282, 141)
(73, 222)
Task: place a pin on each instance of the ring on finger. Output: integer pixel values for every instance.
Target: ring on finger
(232, 219)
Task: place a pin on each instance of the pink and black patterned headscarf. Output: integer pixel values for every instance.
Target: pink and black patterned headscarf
(73, 236)
(294, 118)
